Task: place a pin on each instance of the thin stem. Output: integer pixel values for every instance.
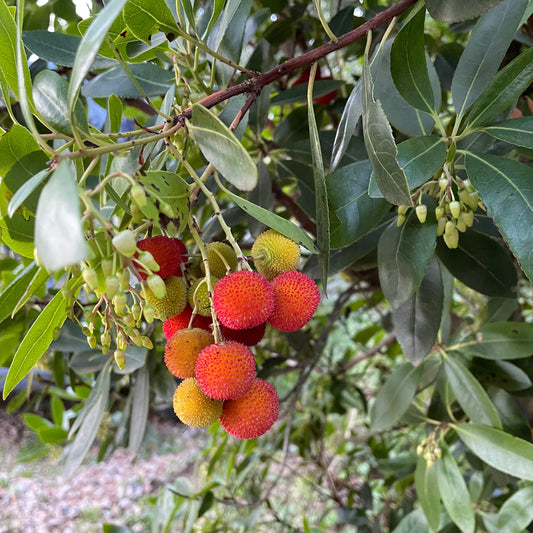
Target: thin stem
(324, 22)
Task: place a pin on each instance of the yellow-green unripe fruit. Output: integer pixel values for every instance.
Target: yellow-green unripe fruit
(220, 257)
(193, 407)
(273, 254)
(198, 296)
(174, 301)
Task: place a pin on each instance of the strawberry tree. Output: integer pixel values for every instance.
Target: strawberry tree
(146, 145)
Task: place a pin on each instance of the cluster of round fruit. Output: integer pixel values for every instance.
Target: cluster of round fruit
(453, 214)
(212, 321)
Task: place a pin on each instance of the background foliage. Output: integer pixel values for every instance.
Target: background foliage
(403, 167)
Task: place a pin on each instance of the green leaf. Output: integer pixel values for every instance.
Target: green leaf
(91, 417)
(505, 188)
(414, 521)
(480, 263)
(404, 254)
(484, 52)
(20, 289)
(59, 237)
(498, 449)
(221, 148)
(408, 63)
(50, 97)
(135, 359)
(59, 48)
(58, 410)
(348, 196)
(395, 396)
(139, 409)
(89, 46)
(17, 233)
(25, 190)
(454, 493)
(381, 147)
(8, 38)
(298, 94)
(503, 340)
(471, 396)
(503, 91)
(270, 219)
(518, 131)
(321, 192)
(517, 511)
(152, 79)
(350, 117)
(420, 158)
(457, 10)
(427, 490)
(417, 320)
(144, 18)
(38, 339)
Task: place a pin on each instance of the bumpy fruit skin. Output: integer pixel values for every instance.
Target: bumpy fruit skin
(296, 298)
(225, 371)
(198, 295)
(182, 349)
(243, 299)
(217, 266)
(193, 407)
(181, 321)
(253, 414)
(173, 303)
(273, 253)
(167, 252)
(249, 336)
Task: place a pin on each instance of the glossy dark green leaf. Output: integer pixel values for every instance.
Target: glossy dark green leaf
(417, 320)
(427, 490)
(37, 340)
(59, 48)
(404, 254)
(484, 52)
(518, 131)
(153, 80)
(457, 10)
(139, 409)
(454, 493)
(350, 117)
(505, 188)
(144, 18)
(503, 91)
(221, 148)
(298, 94)
(17, 233)
(408, 63)
(349, 199)
(403, 116)
(504, 340)
(395, 396)
(321, 194)
(50, 97)
(89, 46)
(59, 238)
(270, 219)
(498, 449)
(501, 374)
(480, 263)
(511, 413)
(420, 158)
(91, 418)
(25, 190)
(471, 396)
(517, 511)
(381, 147)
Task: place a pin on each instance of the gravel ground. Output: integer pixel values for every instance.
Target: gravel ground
(36, 498)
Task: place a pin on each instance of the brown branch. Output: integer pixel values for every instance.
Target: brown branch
(257, 83)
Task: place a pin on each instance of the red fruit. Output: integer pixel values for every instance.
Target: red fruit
(296, 298)
(182, 320)
(243, 299)
(167, 252)
(253, 414)
(249, 336)
(304, 78)
(225, 371)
